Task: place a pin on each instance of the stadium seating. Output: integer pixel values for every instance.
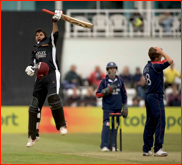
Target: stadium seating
(100, 24)
(138, 33)
(78, 29)
(118, 22)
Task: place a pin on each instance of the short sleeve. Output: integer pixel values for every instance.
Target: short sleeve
(160, 65)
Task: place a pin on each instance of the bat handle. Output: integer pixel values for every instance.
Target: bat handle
(47, 11)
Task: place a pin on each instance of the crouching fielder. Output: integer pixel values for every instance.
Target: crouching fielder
(113, 91)
(48, 85)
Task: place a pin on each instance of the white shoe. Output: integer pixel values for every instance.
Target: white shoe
(37, 138)
(63, 131)
(104, 149)
(113, 149)
(30, 142)
(149, 153)
(160, 153)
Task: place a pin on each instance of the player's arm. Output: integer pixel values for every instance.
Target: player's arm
(55, 35)
(99, 93)
(54, 27)
(161, 65)
(167, 58)
(29, 69)
(105, 91)
(124, 100)
(56, 17)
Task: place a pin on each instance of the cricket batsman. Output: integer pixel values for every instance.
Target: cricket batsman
(48, 85)
(113, 91)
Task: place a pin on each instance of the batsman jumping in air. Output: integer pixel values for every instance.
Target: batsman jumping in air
(155, 123)
(113, 91)
(48, 85)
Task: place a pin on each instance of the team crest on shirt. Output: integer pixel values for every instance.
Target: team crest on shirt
(107, 124)
(40, 54)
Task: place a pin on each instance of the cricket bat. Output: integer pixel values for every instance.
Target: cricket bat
(71, 20)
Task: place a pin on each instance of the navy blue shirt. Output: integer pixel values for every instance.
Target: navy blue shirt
(153, 73)
(118, 97)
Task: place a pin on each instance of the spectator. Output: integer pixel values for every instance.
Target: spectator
(141, 88)
(137, 75)
(137, 20)
(135, 102)
(74, 100)
(166, 20)
(170, 74)
(89, 99)
(174, 99)
(95, 77)
(127, 77)
(72, 79)
(180, 24)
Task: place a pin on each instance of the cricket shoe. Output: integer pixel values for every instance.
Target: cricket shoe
(149, 153)
(160, 153)
(63, 131)
(37, 138)
(30, 142)
(114, 149)
(105, 149)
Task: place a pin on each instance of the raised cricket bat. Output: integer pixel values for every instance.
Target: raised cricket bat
(71, 20)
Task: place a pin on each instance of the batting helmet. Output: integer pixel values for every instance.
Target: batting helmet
(43, 70)
(111, 65)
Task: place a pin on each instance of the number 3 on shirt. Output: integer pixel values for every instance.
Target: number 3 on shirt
(147, 79)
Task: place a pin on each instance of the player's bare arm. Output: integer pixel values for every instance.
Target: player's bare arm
(54, 27)
(160, 51)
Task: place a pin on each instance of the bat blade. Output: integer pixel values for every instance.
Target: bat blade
(71, 20)
(76, 21)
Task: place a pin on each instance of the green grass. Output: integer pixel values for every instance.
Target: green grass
(83, 149)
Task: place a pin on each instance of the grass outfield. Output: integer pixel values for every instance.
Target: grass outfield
(83, 149)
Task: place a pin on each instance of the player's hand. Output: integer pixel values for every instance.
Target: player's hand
(125, 111)
(158, 50)
(57, 15)
(113, 86)
(29, 71)
(109, 89)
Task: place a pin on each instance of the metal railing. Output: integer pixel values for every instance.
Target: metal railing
(104, 27)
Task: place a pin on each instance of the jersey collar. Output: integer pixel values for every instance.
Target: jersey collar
(110, 80)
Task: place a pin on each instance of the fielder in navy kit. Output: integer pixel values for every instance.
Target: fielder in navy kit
(155, 122)
(113, 91)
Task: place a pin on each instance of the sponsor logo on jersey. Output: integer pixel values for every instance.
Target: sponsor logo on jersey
(40, 54)
(107, 124)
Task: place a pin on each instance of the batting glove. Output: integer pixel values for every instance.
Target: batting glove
(29, 71)
(125, 111)
(57, 15)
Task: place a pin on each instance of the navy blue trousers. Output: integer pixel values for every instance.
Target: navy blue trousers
(105, 129)
(155, 122)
